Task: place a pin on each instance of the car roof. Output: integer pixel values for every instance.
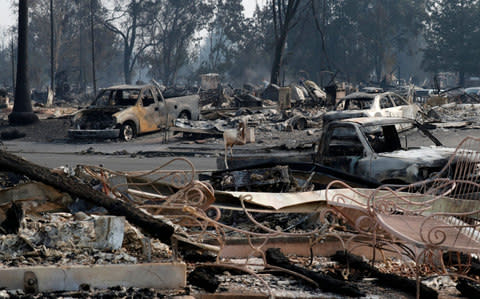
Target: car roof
(127, 86)
(368, 95)
(360, 95)
(472, 88)
(376, 121)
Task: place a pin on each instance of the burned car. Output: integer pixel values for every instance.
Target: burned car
(361, 104)
(377, 149)
(128, 110)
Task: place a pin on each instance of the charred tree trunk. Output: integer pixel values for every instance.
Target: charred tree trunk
(13, 63)
(152, 226)
(127, 53)
(92, 36)
(22, 113)
(283, 21)
(277, 59)
(52, 48)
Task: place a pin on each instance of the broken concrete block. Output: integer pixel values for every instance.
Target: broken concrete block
(109, 232)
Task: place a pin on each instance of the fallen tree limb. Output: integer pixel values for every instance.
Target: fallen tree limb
(149, 224)
(328, 284)
(384, 279)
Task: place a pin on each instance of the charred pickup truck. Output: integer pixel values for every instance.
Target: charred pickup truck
(125, 111)
(368, 151)
(385, 150)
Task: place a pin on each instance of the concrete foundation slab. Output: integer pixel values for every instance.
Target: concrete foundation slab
(69, 278)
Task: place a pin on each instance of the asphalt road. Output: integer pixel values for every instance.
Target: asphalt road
(119, 163)
(54, 155)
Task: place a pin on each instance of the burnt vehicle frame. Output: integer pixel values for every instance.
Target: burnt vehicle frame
(372, 148)
(363, 104)
(124, 111)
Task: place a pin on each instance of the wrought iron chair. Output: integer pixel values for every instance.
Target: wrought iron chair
(423, 220)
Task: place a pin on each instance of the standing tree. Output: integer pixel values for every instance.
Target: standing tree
(22, 113)
(7, 57)
(226, 36)
(52, 48)
(72, 46)
(172, 35)
(357, 38)
(284, 12)
(386, 26)
(453, 37)
(92, 39)
(252, 62)
(129, 20)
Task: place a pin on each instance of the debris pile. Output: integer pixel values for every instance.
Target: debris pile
(62, 228)
(455, 113)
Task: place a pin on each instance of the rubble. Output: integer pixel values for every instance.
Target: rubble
(356, 264)
(66, 239)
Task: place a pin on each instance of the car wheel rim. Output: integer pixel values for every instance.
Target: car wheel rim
(128, 133)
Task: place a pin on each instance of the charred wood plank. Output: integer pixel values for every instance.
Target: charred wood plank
(384, 279)
(150, 225)
(328, 284)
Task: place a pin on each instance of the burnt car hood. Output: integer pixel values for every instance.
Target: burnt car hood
(343, 114)
(101, 110)
(423, 156)
(95, 118)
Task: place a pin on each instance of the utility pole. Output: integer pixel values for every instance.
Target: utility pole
(92, 29)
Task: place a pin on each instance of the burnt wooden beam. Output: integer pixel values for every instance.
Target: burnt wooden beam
(326, 283)
(393, 281)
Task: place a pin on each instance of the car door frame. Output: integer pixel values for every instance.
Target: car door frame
(367, 154)
(406, 110)
(149, 117)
